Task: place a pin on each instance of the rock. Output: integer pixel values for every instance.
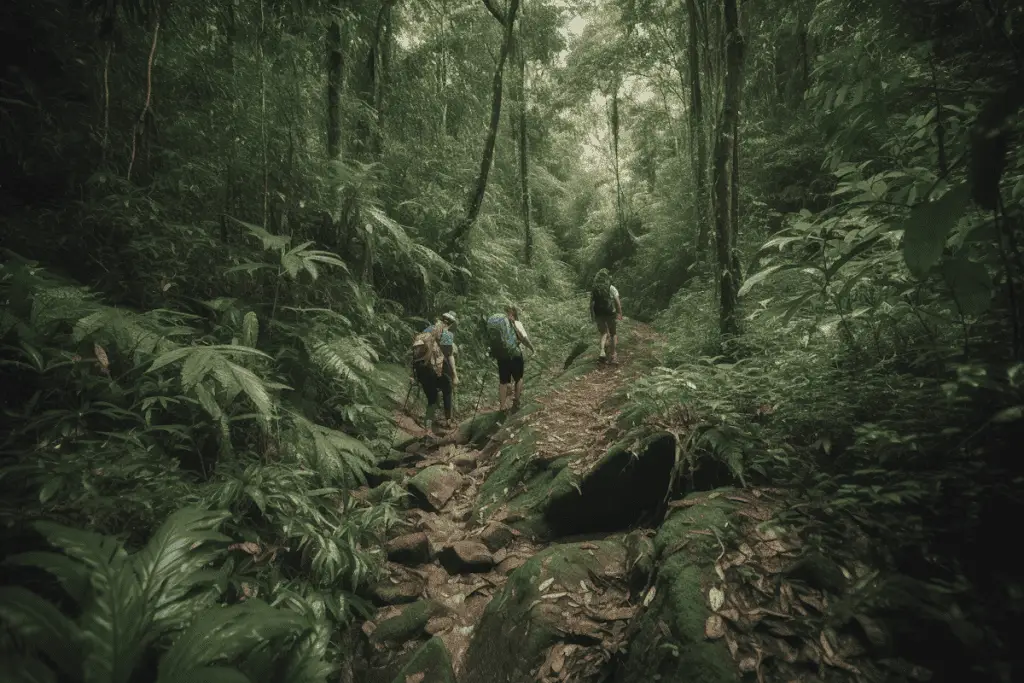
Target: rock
(819, 572)
(497, 536)
(430, 664)
(510, 564)
(465, 557)
(679, 602)
(388, 592)
(465, 463)
(407, 625)
(639, 560)
(434, 486)
(410, 549)
(517, 629)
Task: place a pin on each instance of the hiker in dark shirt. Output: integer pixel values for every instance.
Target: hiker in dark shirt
(432, 382)
(605, 310)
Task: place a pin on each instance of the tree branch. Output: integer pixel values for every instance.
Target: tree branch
(497, 13)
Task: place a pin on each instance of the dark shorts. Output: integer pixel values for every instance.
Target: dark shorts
(510, 369)
(606, 323)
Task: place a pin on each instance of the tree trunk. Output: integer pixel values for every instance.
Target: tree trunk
(697, 137)
(476, 196)
(335, 69)
(524, 162)
(620, 210)
(724, 187)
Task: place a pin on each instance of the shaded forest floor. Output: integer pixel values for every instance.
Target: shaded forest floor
(483, 560)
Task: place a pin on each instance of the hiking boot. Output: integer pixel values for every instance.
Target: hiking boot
(515, 406)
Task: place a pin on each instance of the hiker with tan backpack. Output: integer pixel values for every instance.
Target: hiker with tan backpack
(433, 367)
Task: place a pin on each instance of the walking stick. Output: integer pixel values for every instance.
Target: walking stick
(405, 405)
(480, 394)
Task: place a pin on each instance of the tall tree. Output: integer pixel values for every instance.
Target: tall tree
(725, 186)
(698, 140)
(476, 196)
(524, 163)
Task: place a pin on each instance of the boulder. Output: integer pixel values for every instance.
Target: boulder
(518, 627)
(464, 557)
(410, 549)
(397, 592)
(497, 536)
(434, 486)
(407, 625)
(465, 463)
(429, 664)
(681, 652)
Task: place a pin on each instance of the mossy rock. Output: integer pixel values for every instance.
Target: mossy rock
(431, 660)
(477, 430)
(434, 486)
(409, 624)
(685, 573)
(514, 634)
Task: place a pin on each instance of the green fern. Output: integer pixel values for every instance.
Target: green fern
(338, 458)
(131, 602)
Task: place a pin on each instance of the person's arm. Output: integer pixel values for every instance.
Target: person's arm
(450, 357)
(618, 304)
(521, 333)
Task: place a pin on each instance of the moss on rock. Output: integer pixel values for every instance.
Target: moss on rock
(477, 430)
(431, 660)
(685, 573)
(407, 625)
(514, 633)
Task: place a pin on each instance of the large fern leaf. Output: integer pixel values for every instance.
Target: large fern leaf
(41, 625)
(226, 634)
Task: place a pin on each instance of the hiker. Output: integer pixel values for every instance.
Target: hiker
(507, 335)
(433, 366)
(605, 310)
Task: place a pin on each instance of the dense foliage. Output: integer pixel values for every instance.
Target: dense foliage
(224, 221)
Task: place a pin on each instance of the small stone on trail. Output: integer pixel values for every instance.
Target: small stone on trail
(410, 549)
(497, 536)
(388, 593)
(464, 463)
(434, 486)
(465, 557)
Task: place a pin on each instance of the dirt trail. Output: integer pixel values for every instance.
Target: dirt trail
(459, 562)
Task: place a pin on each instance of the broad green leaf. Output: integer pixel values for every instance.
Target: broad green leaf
(250, 329)
(1011, 414)
(206, 674)
(71, 575)
(18, 669)
(762, 275)
(970, 283)
(925, 231)
(41, 625)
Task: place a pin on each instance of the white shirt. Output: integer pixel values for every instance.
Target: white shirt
(615, 292)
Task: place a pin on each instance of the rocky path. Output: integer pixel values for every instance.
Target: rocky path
(451, 559)
(478, 591)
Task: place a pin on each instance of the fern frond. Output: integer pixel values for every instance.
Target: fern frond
(336, 456)
(42, 626)
(226, 634)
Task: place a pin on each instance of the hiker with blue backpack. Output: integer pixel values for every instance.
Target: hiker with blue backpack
(433, 366)
(605, 310)
(506, 335)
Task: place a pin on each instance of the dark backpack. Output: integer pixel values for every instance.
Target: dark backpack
(501, 338)
(601, 298)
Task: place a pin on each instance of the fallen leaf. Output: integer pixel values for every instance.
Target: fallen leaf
(650, 596)
(546, 584)
(716, 598)
(415, 678)
(714, 627)
(748, 664)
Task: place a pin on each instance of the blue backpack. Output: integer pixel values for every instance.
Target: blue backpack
(502, 341)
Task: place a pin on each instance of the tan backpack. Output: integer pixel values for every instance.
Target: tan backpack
(426, 350)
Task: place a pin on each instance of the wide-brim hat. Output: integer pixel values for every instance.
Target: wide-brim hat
(450, 318)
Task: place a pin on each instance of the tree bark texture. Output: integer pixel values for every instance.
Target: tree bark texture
(723, 181)
(524, 158)
(697, 137)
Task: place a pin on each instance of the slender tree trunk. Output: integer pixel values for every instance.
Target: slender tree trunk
(230, 32)
(614, 124)
(476, 196)
(724, 187)
(335, 69)
(524, 163)
(698, 139)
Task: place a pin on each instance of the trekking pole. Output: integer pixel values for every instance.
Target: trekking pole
(480, 394)
(405, 404)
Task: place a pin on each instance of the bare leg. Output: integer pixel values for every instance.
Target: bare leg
(502, 396)
(518, 392)
(604, 340)
(611, 354)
